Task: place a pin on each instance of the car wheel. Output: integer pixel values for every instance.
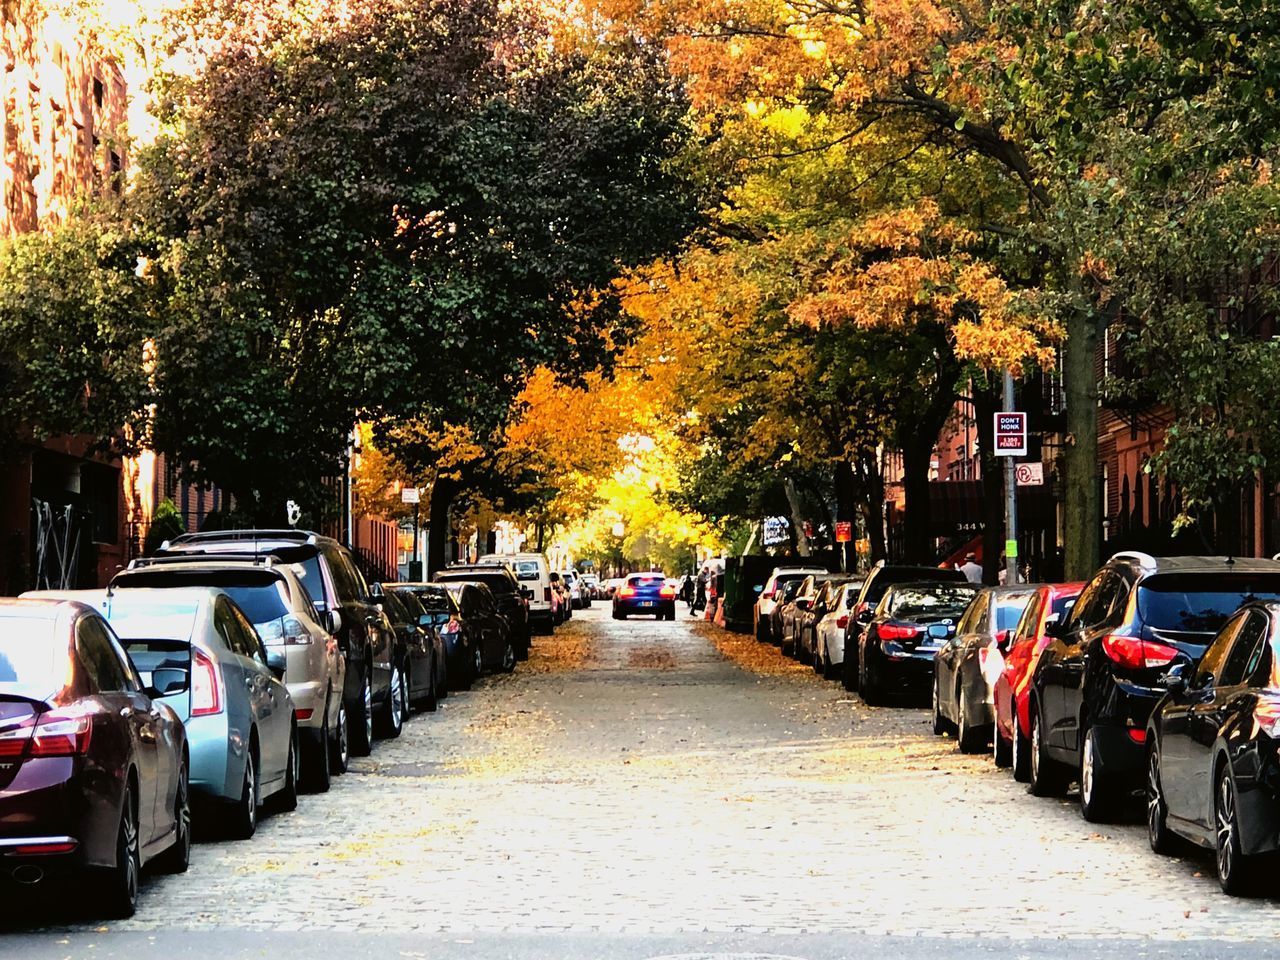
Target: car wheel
(477, 662)
(1096, 803)
(1001, 749)
(1020, 750)
(1235, 872)
(940, 724)
(120, 883)
(287, 799)
(319, 776)
(1159, 835)
(242, 817)
(869, 685)
(178, 857)
(431, 702)
(829, 669)
(1046, 775)
(762, 632)
(339, 745)
(392, 713)
(849, 671)
(968, 738)
(618, 615)
(508, 658)
(816, 661)
(360, 727)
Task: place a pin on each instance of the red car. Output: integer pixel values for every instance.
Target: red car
(93, 769)
(1018, 653)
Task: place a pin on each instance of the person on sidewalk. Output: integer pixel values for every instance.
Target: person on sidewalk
(971, 569)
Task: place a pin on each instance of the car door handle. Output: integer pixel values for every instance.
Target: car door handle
(127, 711)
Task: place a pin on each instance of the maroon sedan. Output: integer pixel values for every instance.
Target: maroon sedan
(93, 771)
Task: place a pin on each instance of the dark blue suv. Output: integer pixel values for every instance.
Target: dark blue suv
(645, 593)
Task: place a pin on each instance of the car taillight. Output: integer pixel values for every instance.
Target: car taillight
(842, 621)
(295, 634)
(44, 849)
(898, 631)
(627, 592)
(1266, 714)
(62, 734)
(206, 686)
(14, 736)
(1134, 654)
(668, 591)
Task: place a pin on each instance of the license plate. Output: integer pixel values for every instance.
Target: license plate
(646, 603)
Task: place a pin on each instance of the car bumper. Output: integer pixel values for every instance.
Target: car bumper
(643, 607)
(910, 673)
(217, 758)
(57, 801)
(1120, 721)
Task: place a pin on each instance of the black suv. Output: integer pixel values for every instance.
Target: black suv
(365, 635)
(508, 596)
(1099, 678)
(879, 579)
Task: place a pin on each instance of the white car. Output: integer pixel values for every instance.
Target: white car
(760, 612)
(534, 573)
(573, 583)
(829, 654)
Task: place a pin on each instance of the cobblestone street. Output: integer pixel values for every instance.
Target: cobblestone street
(667, 779)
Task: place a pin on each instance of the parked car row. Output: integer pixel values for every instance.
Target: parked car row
(221, 677)
(1155, 683)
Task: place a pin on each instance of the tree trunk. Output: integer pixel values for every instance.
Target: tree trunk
(986, 402)
(438, 533)
(846, 508)
(1080, 459)
(873, 504)
(797, 517)
(916, 456)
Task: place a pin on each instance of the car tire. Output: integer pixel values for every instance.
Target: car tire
(360, 723)
(762, 632)
(941, 725)
(241, 817)
(1001, 749)
(849, 671)
(1020, 752)
(317, 761)
(618, 615)
(391, 714)
(178, 857)
(869, 685)
(830, 671)
(1163, 840)
(340, 743)
(431, 702)
(1047, 776)
(969, 739)
(1237, 874)
(477, 663)
(509, 658)
(120, 883)
(286, 801)
(1097, 798)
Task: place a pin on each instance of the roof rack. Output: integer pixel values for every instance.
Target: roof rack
(258, 559)
(206, 536)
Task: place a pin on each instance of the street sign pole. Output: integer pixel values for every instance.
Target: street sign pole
(1010, 497)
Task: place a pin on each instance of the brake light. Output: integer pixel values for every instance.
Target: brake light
(668, 591)
(1134, 654)
(14, 737)
(206, 686)
(1266, 714)
(898, 631)
(303, 715)
(62, 734)
(1138, 735)
(295, 634)
(842, 621)
(627, 592)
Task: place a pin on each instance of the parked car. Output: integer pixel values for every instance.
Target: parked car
(911, 623)
(533, 573)
(790, 613)
(507, 594)
(807, 617)
(1213, 752)
(879, 579)
(420, 648)
(962, 679)
(573, 585)
(241, 733)
(644, 593)
(489, 636)
(770, 594)
(786, 592)
(441, 607)
(592, 583)
(1098, 679)
(93, 762)
(283, 613)
(1018, 655)
(342, 600)
(831, 629)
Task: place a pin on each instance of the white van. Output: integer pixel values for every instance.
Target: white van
(534, 573)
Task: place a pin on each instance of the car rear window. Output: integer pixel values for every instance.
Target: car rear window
(648, 582)
(527, 569)
(270, 601)
(31, 664)
(1200, 602)
(944, 600)
(434, 600)
(151, 618)
(496, 582)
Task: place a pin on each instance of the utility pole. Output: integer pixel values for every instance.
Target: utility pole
(1010, 496)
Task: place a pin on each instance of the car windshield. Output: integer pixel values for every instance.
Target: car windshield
(944, 600)
(262, 604)
(1009, 610)
(648, 583)
(1200, 602)
(31, 664)
(433, 599)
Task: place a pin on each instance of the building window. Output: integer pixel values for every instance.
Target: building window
(117, 168)
(99, 92)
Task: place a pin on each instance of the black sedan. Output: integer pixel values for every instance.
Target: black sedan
(419, 646)
(93, 768)
(441, 606)
(645, 593)
(1213, 758)
(912, 622)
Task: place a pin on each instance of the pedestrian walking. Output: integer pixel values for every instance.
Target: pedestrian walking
(971, 569)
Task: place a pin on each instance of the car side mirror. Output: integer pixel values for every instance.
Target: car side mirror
(166, 681)
(276, 663)
(864, 617)
(1176, 681)
(333, 620)
(1053, 629)
(1004, 640)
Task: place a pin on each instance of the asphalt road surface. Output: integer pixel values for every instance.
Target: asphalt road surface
(664, 790)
